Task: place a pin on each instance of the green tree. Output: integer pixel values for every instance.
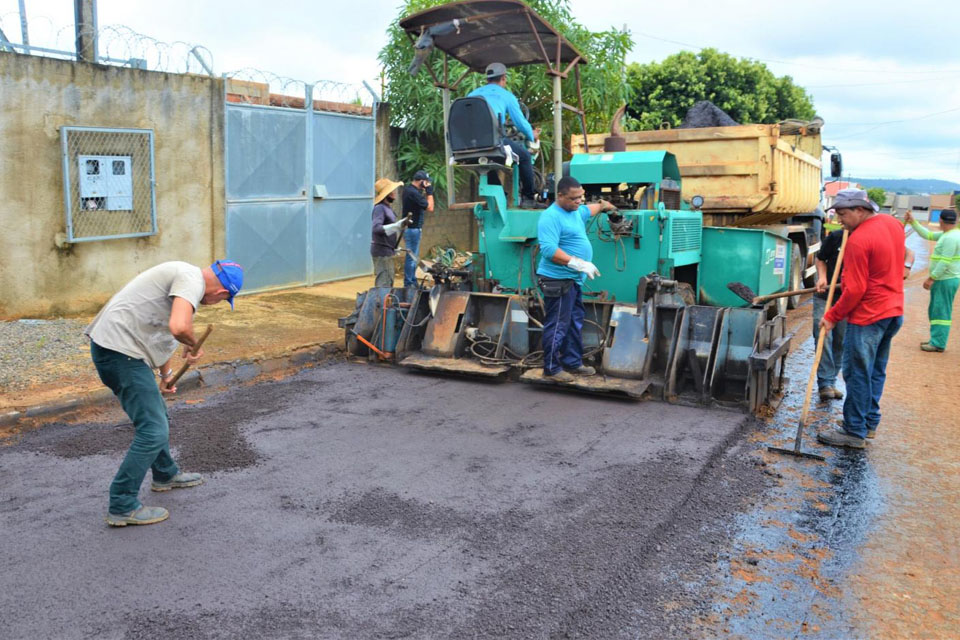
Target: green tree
(745, 89)
(956, 202)
(416, 104)
(878, 195)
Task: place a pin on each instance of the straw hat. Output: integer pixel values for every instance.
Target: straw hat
(384, 187)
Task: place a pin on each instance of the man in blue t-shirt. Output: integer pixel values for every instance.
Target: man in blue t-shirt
(565, 255)
(503, 103)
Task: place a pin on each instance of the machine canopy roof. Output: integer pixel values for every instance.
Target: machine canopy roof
(485, 31)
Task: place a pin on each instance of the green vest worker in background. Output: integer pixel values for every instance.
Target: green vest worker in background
(944, 276)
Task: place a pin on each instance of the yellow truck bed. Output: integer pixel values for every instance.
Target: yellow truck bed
(747, 174)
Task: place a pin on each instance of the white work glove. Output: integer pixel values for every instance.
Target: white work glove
(394, 228)
(584, 267)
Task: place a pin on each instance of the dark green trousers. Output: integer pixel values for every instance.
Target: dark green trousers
(940, 310)
(133, 382)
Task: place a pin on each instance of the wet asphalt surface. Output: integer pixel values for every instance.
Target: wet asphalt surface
(783, 574)
(354, 501)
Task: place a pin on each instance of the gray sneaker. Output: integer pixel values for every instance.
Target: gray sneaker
(583, 370)
(840, 438)
(179, 481)
(143, 515)
(561, 376)
(830, 393)
(871, 433)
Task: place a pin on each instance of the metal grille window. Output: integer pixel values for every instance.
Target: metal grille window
(108, 183)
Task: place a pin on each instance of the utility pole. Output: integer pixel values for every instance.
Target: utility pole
(85, 17)
(25, 34)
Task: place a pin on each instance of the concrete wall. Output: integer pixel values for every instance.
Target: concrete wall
(442, 227)
(38, 96)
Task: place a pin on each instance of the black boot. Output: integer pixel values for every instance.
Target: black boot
(527, 202)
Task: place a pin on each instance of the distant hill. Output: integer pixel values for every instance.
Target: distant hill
(908, 186)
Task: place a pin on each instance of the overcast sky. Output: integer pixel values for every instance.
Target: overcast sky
(884, 75)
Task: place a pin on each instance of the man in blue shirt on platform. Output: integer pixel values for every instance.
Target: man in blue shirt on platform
(503, 103)
(565, 255)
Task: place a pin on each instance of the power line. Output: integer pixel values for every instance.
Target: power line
(798, 64)
(869, 84)
(877, 125)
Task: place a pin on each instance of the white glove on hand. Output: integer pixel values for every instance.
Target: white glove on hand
(393, 228)
(583, 267)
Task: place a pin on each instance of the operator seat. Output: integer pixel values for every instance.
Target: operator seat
(476, 135)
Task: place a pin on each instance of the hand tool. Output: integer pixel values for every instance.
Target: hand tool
(186, 365)
(813, 371)
(748, 294)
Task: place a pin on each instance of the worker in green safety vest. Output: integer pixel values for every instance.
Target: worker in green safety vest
(944, 276)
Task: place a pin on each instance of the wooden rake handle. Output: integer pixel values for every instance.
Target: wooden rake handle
(186, 365)
(823, 334)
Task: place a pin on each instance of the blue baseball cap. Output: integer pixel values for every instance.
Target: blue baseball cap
(230, 275)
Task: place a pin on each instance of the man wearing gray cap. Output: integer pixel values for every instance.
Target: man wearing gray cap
(944, 277)
(872, 303)
(504, 103)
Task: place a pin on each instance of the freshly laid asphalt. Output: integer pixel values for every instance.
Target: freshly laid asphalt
(358, 501)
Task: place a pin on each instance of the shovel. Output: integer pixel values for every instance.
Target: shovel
(186, 365)
(813, 371)
(750, 296)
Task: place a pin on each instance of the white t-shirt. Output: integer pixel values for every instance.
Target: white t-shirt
(136, 320)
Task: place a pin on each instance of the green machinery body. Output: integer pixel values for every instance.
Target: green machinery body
(669, 241)
(666, 326)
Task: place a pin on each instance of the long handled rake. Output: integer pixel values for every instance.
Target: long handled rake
(813, 371)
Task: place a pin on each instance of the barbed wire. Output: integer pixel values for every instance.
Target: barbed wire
(257, 86)
(117, 45)
(120, 45)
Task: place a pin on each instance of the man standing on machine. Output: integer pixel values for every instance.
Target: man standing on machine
(504, 103)
(565, 254)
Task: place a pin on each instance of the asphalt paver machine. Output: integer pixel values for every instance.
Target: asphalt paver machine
(645, 331)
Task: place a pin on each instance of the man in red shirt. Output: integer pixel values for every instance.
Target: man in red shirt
(872, 304)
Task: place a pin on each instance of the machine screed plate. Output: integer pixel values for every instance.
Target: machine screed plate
(452, 365)
(595, 384)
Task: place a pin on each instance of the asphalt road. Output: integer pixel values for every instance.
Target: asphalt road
(354, 501)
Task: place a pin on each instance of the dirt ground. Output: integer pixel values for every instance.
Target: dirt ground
(263, 325)
(906, 584)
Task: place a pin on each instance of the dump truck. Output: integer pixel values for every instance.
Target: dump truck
(764, 176)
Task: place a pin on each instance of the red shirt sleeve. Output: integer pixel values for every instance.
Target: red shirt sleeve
(856, 270)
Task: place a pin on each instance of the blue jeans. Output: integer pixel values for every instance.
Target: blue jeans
(831, 358)
(866, 349)
(562, 328)
(411, 239)
(133, 382)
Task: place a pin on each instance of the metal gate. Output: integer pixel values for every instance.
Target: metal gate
(299, 193)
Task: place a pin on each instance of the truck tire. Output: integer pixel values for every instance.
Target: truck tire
(796, 277)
